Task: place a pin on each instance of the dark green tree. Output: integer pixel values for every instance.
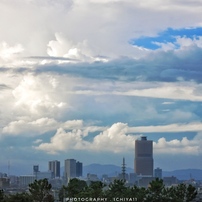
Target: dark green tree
(73, 189)
(139, 193)
(191, 193)
(62, 193)
(97, 189)
(156, 191)
(94, 190)
(75, 186)
(176, 193)
(2, 196)
(40, 191)
(182, 193)
(19, 197)
(117, 189)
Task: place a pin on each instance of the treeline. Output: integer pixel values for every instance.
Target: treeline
(79, 190)
(118, 191)
(39, 191)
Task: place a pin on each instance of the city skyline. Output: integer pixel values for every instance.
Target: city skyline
(85, 79)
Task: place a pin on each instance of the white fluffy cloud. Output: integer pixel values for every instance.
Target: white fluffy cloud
(37, 127)
(64, 141)
(113, 139)
(186, 42)
(86, 29)
(184, 146)
(33, 128)
(62, 47)
(9, 52)
(38, 95)
(117, 139)
(68, 67)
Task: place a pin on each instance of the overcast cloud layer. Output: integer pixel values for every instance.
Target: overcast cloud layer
(85, 79)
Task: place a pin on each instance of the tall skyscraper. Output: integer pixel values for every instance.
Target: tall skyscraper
(70, 169)
(123, 169)
(143, 164)
(54, 167)
(79, 169)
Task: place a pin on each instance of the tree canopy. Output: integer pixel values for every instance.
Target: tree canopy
(156, 191)
(40, 191)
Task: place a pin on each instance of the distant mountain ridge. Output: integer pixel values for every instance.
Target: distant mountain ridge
(113, 170)
(185, 174)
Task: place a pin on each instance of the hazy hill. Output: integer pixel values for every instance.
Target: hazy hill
(110, 170)
(185, 174)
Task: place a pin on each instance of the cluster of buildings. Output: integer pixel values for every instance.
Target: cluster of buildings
(72, 169)
(144, 171)
(143, 174)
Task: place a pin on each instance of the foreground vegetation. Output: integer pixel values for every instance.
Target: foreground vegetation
(156, 192)
(40, 191)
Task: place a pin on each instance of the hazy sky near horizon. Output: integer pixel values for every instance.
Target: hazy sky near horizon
(84, 79)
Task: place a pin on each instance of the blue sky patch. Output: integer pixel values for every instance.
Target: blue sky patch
(167, 36)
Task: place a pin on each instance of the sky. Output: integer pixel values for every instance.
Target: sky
(84, 79)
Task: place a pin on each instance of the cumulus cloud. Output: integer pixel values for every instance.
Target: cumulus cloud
(113, 139)
(175, 146)
(39, 94)
(186, 42)
(181, 43)
(62, 47)
(7, 52)
(33, 128)
(37, 127)
(65, 32)
(63, 141)
(69, 68)
(120, 138)
(9, 55)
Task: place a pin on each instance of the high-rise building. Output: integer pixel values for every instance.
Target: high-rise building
(79, 169)
(123, 170)
(143, 164)
(158, 173)
(35, 169)
(70, 169)
(54, 167)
